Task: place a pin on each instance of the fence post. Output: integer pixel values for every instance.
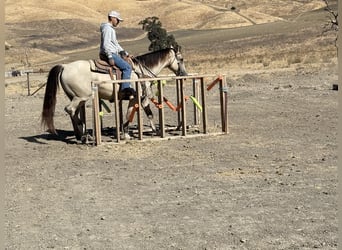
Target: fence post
(204, 107)
(183, 111)
(161, 110)
(195, 91)
(28, 83)
(117, 115)
(178, 103)
(224, 104)
(96, 110)
(139, 115)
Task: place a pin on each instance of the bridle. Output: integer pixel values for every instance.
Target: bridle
(179, 58)
(143, 67)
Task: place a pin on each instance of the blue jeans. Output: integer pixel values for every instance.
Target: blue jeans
(126, 69)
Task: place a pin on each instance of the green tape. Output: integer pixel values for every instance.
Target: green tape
(194, 100)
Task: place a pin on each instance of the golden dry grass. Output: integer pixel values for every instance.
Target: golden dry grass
(79, 20)
(173, 14)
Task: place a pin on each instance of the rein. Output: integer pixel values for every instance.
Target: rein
(141, 66)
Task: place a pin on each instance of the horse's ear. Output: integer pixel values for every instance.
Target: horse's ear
(178, 49)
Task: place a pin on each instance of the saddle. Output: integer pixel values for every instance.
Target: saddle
(102, 66)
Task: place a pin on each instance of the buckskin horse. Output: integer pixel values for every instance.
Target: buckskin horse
(76, 80)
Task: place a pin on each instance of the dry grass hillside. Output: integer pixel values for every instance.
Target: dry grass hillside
(40, 32)
(174, 15)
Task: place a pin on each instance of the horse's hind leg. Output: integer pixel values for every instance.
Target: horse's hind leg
(78, 124)
(73, 109)
(124, 125)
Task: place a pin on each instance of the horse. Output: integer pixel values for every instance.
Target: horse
(76, 80)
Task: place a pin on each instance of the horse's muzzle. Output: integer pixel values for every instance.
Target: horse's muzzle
(182, 73)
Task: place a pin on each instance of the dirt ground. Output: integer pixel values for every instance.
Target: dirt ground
(271, 183)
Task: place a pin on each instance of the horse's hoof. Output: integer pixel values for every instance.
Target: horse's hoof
(52, 131)
(125, 136)
(86, 139)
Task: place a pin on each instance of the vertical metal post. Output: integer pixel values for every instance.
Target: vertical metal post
(121, 116)
(140, 123)
(161, 110)
(28, 83)
(183, 109)
(226, 128)
(195, 91)
(204, 108)
(100, 116)
(224, 104)
(96, 111)
(117, 115)
(178, 101)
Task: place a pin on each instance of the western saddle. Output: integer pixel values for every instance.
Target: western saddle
(102, 66)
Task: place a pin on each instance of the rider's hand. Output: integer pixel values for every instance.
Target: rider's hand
(111, 61)
(123, 53)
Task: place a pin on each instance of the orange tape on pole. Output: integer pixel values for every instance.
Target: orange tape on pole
(186, 98)
(154, 101)
(157, 104)
(168, 103)
(131, 115)
(211, 85)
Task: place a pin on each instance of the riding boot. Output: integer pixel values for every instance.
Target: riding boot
(127, 94)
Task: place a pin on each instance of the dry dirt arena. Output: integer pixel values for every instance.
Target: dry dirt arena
(271, 183)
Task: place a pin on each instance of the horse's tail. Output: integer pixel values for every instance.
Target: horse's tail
(49, 104)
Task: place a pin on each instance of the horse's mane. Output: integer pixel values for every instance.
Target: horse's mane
(152, 58)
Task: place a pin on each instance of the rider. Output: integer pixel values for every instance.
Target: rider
(113, 53)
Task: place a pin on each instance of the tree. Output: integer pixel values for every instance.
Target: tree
(157, 35)
(332, 25)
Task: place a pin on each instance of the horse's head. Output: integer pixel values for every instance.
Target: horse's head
(177, 63)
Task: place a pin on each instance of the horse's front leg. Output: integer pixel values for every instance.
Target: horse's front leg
(130, 110)
(149, 115)
(147, 108)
